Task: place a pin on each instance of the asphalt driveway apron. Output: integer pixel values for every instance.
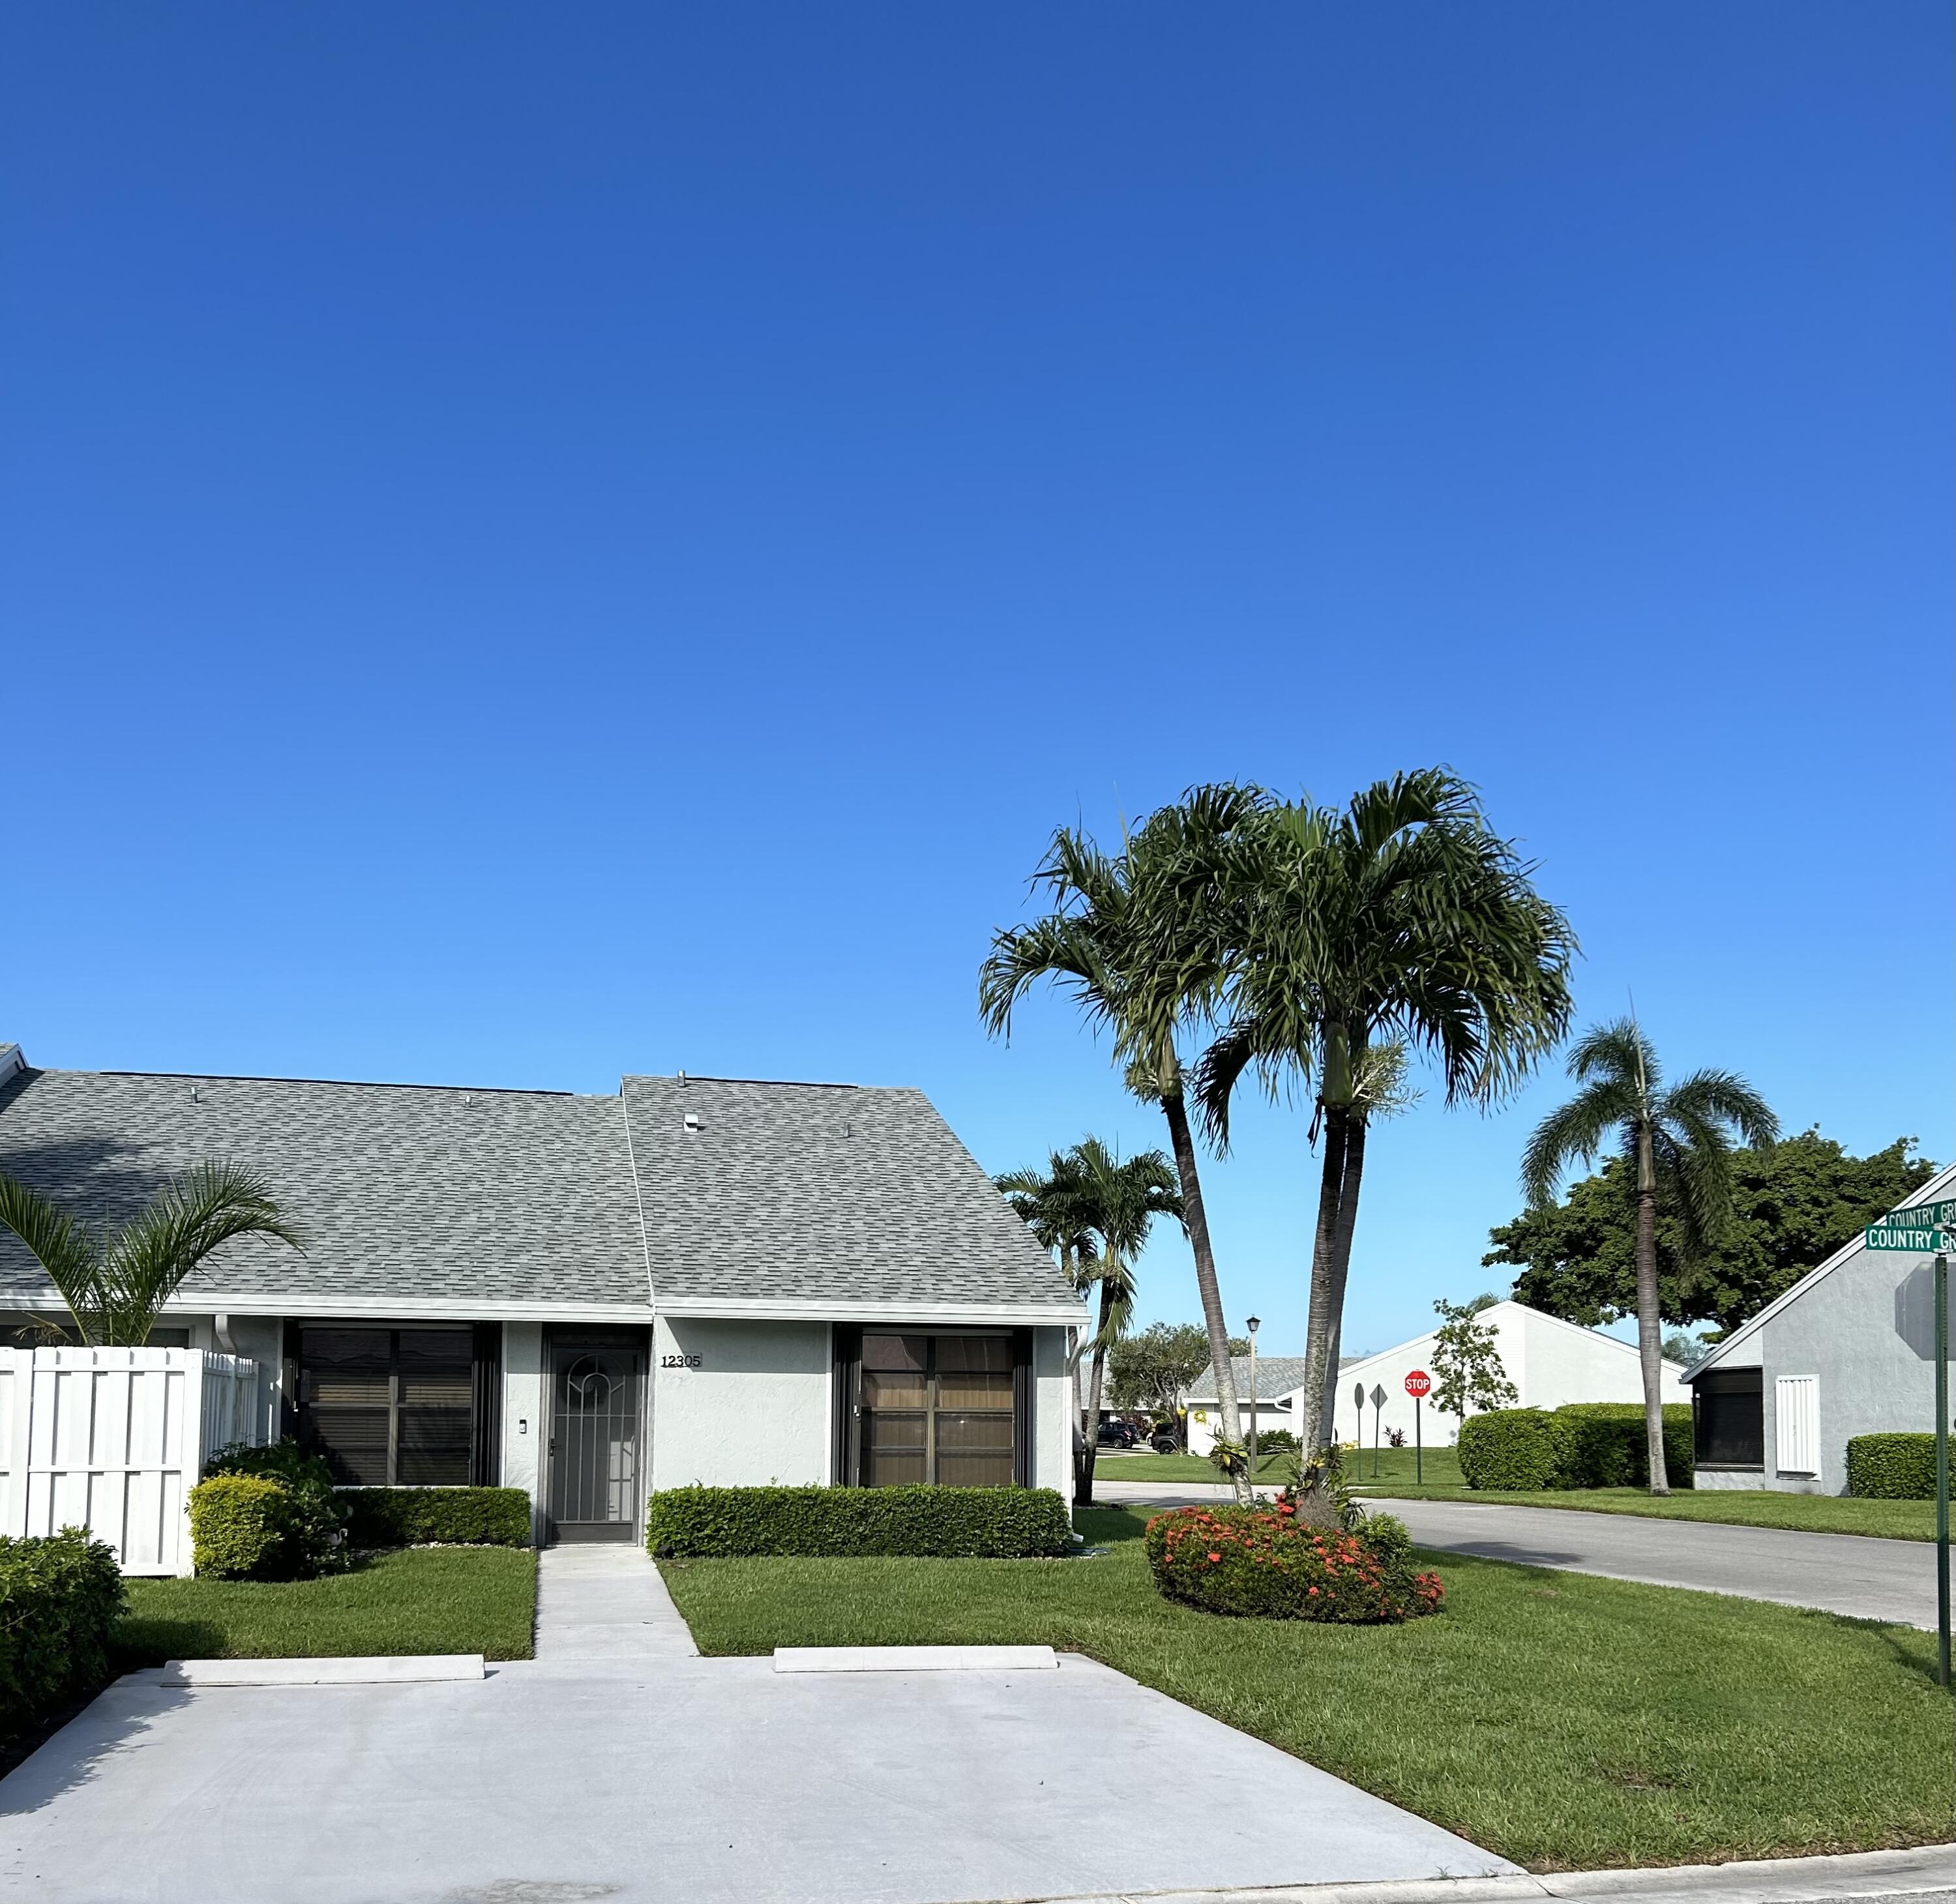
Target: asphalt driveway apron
(618, 1764)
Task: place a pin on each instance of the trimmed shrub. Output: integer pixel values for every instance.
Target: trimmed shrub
(242, 1527)
(299, 1541)
(943, 1522)
(1606, 1445)
(59, 1596)
(1517, 1448)
(1258, 1562)
(1581, 1445)
(418, 1517)
(1892, 1467)
(1276, 1441)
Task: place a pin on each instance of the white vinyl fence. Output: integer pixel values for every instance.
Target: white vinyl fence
(114, 1439)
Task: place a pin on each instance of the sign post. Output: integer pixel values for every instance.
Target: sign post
(1358, 1402)
(1921, 1228)
(1418, 1384)
(1378, 1425)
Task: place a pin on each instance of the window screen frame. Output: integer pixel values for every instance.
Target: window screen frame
(483, 1443)
(847, 1397)
(1722, 1388)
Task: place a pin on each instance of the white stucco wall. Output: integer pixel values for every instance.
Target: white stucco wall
(1053, 1413)
(1205, 1422)
(754, 1412)
(526, 1412)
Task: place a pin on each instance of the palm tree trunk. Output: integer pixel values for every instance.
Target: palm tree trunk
(1319, 1371)
(1083, 1493)
(1193, 1216)
(1341, 1267)
(1650, 1339)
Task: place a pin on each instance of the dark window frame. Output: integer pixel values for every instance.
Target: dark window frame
(1716, 1444)
(847, 1394)
(484, 1445)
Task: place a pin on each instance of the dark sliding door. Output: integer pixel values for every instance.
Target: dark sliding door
(411, 1407)
(950, 1410)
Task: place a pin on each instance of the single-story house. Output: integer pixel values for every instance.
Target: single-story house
(1849, 1349)
(1279, 1379)
(1549, 1361)
(588, 1298)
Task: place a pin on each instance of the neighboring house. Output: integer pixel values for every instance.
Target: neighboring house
(587, 1297)
(1849, 1349)
(1548, 1360)
(1278, 1379)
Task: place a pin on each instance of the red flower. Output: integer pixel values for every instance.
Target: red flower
(1215, 1556)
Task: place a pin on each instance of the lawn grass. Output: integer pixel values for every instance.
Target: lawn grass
(1439, 1465)
(1564, 1720)
(1806, 1513)
(418, 1599)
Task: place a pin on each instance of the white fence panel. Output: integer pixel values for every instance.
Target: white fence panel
(113, 1440)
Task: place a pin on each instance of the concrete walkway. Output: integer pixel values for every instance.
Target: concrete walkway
(617, 1765)
(1893, 1580)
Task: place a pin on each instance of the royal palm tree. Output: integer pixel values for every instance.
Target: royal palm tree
(1137, 939)
(1398, 925)
(1680, 1141)
(115, 1284)
(1051, 1203)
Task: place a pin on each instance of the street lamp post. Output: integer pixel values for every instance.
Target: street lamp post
(1253, 1325)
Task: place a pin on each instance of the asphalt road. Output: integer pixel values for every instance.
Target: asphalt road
(1893, 1580)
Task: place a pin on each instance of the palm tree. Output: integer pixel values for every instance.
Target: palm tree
(115, 1284)
(1399, 925)
(1122, 1201)
(1051, 1202)
(1137, 939)
(1680, 1141)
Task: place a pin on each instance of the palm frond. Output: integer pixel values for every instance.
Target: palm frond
(1576, 1131)
(71, 1256)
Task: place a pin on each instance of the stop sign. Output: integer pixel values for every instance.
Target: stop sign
(1417, 1383)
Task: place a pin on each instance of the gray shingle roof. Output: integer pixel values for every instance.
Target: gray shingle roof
(403, 1189)
(1275, 1375)
(825, 1196)
(806, 1193)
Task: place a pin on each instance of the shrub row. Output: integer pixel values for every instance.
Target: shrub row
(59, 1596)
(266, 1514)
(413, 1516)
(952, 1523)
(1258, 1561)
(1892, 1467)
(1583, 1444)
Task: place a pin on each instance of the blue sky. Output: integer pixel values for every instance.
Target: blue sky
(541, 542)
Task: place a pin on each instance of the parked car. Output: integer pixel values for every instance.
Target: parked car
(1117, 1434)
(1163, 1442)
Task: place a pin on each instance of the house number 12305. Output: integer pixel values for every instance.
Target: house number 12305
(681, 1362)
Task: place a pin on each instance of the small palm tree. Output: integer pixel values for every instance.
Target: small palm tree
(1680, 1142)
(1049, 1203)
(115, 1285)
(1137, 938)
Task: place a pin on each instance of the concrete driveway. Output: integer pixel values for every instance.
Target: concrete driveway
(617, 1765)
(1893, 1580)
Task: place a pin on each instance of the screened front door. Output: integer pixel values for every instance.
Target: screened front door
(595, 1387)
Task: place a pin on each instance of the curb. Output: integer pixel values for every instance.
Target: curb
(1925, 1869)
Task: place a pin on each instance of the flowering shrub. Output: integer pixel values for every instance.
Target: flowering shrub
(1260, 1561)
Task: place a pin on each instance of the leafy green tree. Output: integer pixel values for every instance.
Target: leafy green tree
(1794, 1203)
(1136, 938)
(1468, 1376)
(1155, 1368)
(115, 1285)
(1103, 1207)
(1399, 925)
(1678, 1142)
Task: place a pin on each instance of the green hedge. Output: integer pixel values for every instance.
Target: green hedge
(59, 1596)
(246, 1527)
(949, 1523)
(1256, 1561)
(1892, 1467)
(1581, 1445)
(1513, 1447)
(418, 1517)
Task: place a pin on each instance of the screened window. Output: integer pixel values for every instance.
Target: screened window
(390, 1408)
(937, 1410)
(1729, 1419)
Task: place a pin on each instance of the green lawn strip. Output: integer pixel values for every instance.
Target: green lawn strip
(1809, 1513)
(1564, 1720)
(1394, 1465)
(418, 1599)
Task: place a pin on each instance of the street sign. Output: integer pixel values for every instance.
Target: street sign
(1419, 1383)
(1924, 1241)
(1378, 1398)
(1941, 1216)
